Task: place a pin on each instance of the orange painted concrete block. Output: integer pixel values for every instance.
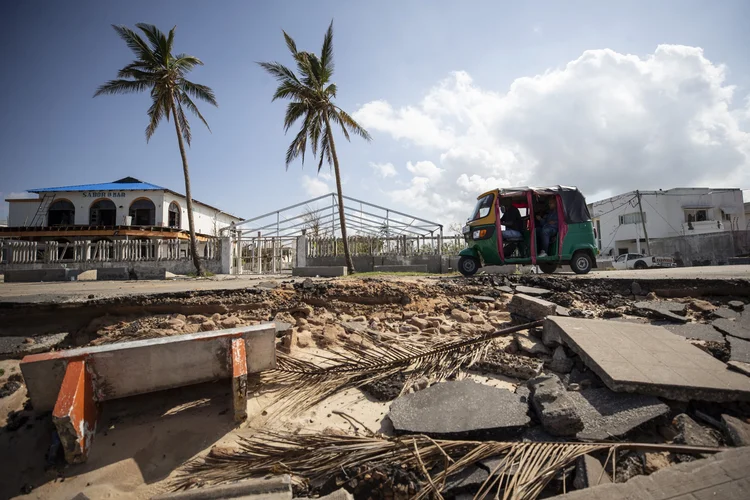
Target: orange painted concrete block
(75, 412)
(239, 379)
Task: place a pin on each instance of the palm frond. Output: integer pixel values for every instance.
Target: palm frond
(280, 72)
(184, 124)
(351, 124)
(122, 86)
(185, 62)
(158, 41)
(522, 473)
(202, 92)
(297, 147)
(326, 53)
(294, 111)
(290, 43)
(301, 384)
(135, 43)
(190, 105)
(156, 113)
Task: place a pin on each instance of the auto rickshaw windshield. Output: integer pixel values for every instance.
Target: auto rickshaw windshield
(483, 207)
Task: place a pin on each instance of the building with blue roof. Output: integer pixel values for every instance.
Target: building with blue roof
(112, 209)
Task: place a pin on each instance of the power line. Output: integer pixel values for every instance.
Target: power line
(616, 208)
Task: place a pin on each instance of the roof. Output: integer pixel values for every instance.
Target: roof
(126, 184)
(521, 189)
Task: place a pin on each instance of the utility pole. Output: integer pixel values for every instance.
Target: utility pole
(643, 221)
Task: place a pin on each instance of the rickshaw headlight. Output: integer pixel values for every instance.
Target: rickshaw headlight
(479, 234)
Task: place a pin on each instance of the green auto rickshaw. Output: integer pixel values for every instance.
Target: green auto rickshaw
(555, 216)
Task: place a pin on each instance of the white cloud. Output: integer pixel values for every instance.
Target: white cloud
(315, 187)
(384, 170)
(606, 122)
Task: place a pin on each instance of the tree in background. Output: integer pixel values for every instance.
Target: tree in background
(162, 74)
(311, 95)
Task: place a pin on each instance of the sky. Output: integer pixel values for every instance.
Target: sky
(460, 98)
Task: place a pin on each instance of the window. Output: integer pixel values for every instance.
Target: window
(143, 212)
(61, 213)
(634, 218)
(484, 206)
(696, 215)
(621, 257)
(174, 215)
(102, 213)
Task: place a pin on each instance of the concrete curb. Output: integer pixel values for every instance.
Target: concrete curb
(275, 488)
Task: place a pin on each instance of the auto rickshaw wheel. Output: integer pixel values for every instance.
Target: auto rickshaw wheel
(548, 267)
(581, 262)
(468, 266)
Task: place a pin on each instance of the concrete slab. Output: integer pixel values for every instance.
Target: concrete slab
(649, 360)
(272, 488)
(416, 268)
(553, 406)
(38, 275)
(142, 366)
(460, 409)
(731, 327)
(470, 478)
(698, 331)
(150, 273)
(531, 308)
(726, 313)
(739, 349)
(18, 347)
(589, 472)
(673, 311)
(739, 367)
(606, 414)
(532, 290)
(112, 274)
(322, 271)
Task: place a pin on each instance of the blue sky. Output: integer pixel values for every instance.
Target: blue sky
(488, 78)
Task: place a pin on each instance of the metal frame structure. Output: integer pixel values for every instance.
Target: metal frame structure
(362, 218)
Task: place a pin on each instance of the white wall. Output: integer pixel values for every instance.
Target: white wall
(21, 213)
(665, 215)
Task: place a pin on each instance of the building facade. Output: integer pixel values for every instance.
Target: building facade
(668, 213)
(125, 203)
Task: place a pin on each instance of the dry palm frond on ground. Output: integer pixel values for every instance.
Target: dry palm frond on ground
(299, 384)
(523, 471)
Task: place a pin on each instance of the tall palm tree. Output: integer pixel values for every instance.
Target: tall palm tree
(311, 94)
(162, 74)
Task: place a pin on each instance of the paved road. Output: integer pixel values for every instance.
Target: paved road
(81, 290)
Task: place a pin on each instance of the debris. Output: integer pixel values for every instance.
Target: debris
(737, 305)
(739, 349)
(530, 290)
(551, 337)
(649, 360)
(529, 344)
(420, 323)
(653, 462)
(461, 316)
(510, 365)
(470, 478)
(531, 308)
(480, 298)
(674, 311)
(13, 383)
(386, 389)
(589, 471)
(274, 487)
(635, 288)
(732, 328)
(737, 431)
(740, 367)
(726, 313)
(18, 347)
(702, 306)
(692, 433)
(700, 331)
(560, 363)
(606, 414)
(555, 409)
(459, 409)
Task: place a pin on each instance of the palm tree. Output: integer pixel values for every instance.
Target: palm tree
(311, 96)
(162, 73)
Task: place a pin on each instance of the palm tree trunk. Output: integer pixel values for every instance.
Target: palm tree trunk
(342, 219)
(188, 196)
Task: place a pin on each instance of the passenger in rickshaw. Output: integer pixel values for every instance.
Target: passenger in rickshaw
(513, 223)
(546, 227)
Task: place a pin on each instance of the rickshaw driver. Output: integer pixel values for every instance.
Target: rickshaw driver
(547, 227)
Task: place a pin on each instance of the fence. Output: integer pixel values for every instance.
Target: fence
(50, 252)
(382, 246)
(267, 254)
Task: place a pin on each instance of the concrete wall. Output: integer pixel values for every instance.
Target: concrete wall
(716, 248)
(21, 212)
(434, 263)
(172, 266)
(665, 215)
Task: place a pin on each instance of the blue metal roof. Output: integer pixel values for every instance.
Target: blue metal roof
(126, 184)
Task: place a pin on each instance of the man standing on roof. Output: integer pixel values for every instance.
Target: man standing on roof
(546, 227)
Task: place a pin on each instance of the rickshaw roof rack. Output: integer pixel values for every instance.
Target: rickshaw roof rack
(539, 190)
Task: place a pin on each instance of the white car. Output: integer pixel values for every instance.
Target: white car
(640, 261)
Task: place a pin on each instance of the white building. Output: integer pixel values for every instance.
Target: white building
(126, 202)
(670, 213)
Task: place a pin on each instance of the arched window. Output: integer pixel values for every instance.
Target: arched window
(103, 213)
(61, 213)
(143, 212)
(174, 215)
